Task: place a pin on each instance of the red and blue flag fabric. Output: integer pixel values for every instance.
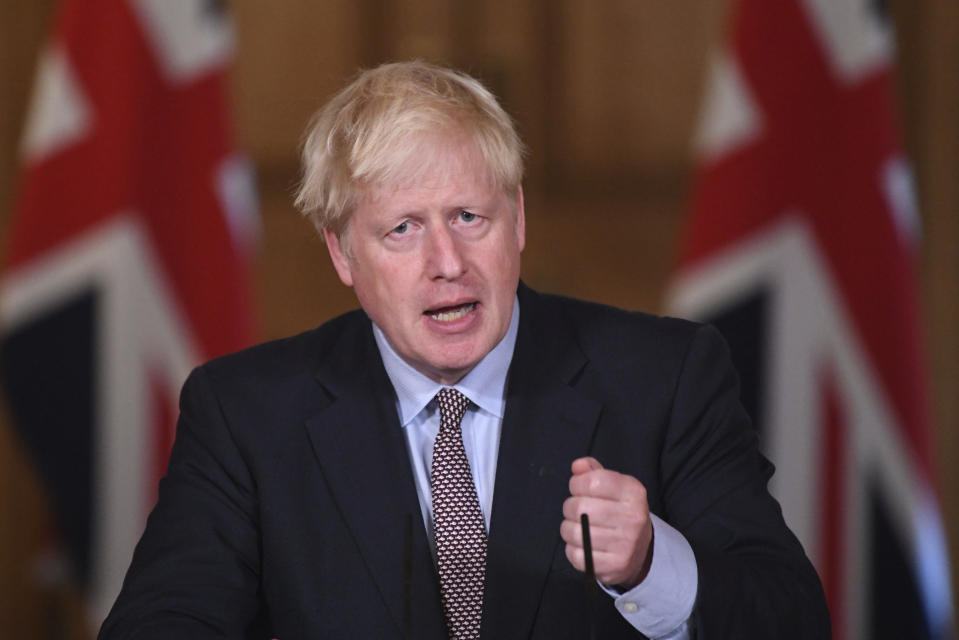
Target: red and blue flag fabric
(129, 261)
(801, 246)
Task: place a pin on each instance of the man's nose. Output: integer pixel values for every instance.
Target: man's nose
(445, 257)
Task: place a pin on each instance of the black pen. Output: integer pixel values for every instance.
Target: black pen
(590, 577)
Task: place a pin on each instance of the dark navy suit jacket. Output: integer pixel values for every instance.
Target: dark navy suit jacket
(289, 508)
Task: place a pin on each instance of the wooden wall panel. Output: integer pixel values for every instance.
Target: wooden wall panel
(933, 105)
(291, 56)
(424, 29)
(625, 84)
(23, 26)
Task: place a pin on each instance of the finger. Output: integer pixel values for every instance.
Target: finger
(576, 557)
(601, 538)
(571, 533)
(585, 465)
(606, 565)
(576, 506)
(608, 485)
(600, 484)
(610, 568)
(602, 513)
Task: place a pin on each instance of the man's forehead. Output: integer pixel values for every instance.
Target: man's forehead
(430, 168)
(430, 152)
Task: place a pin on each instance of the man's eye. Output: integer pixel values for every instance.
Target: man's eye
(401, 228)
(466, 216)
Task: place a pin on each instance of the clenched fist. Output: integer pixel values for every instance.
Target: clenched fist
(620, 529)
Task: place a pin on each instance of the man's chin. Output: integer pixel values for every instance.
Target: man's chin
(449, 370)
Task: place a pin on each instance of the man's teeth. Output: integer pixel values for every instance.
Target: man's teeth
(453, 314)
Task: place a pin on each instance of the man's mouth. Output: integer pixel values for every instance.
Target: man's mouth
(449, 314)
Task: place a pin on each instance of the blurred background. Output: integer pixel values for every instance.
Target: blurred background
(608, 97)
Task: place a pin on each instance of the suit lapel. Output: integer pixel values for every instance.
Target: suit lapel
(359, 444)
(548, 424)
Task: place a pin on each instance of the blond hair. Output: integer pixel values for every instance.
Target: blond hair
(376, 131)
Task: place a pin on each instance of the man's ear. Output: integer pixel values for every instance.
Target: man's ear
(341, 262)
(520, 219)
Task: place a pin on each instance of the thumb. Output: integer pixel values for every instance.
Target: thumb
(585, 465)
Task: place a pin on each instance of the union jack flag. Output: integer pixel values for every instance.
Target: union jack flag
(128, 262)
(801, 247)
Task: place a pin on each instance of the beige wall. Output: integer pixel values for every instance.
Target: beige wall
(608, 155)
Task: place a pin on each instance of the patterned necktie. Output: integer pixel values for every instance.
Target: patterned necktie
(457, 522)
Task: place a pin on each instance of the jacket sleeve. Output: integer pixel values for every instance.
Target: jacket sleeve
(195, 572)
(755, 581)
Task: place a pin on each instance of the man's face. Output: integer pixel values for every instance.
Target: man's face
(435, 264)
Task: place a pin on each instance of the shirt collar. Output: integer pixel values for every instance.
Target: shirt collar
(484, 385)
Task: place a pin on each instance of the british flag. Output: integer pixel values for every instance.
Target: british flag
(801, 247)
(128, 261)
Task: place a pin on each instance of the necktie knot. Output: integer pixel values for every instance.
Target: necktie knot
(453, 405)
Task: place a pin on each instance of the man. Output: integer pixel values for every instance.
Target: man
(331, 484)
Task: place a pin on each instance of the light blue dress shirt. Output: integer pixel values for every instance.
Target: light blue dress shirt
(659, 607)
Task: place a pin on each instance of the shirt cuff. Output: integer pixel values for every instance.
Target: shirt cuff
(660, 605)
